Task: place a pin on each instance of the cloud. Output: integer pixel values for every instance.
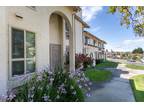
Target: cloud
(114, 47)
(95, 29)
(90, 12)
(134, 41)
(126, 45)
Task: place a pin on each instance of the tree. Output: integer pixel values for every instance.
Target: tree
(131, 17)
(138, 51)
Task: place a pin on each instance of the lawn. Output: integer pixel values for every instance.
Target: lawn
(132, 66)
(98, 75)
(137, 83)
(107, 64)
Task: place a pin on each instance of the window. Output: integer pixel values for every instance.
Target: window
(90, 41)
(22, 52)
(99, 44)
(91, 55)
(94, 43)
(67, 30)
(86, 40)
(102, 45)
(84, 50)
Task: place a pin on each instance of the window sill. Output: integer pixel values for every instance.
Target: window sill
(21, 77)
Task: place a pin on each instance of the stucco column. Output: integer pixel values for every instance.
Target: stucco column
(3, 51)
(63, 42)
(94, 58)
(72, 46)
(105, 55)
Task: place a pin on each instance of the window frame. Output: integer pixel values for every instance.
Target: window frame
(67, 31)
(11, 76)
(86, 40)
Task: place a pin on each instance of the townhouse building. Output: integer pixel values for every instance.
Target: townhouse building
(94, 46)
(32, 37)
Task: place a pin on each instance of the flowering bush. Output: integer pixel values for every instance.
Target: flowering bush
(87, 62)
(82, 81)
(49, 86)
(78, 60)
(83, 59)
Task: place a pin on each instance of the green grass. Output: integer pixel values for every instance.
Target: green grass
(107, 64)
(98, 75)
(132, 66)
(137, 83)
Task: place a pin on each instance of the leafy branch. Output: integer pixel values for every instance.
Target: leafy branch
(130, 17)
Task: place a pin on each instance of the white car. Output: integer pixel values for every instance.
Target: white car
(142, 60)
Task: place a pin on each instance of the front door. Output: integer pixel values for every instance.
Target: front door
(55, 56)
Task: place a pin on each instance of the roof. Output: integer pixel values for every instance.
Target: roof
(83, 22)
(94, 37)
(75, 8)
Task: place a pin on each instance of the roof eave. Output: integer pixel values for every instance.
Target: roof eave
(95, 37)
(76, 8)
(83, 22)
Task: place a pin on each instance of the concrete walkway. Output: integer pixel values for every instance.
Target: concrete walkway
(130, 72)
(116, 90)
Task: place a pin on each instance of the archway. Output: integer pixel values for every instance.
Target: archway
(60, 32)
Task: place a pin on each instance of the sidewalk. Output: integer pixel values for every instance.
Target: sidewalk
(130, 72)
(116, 90)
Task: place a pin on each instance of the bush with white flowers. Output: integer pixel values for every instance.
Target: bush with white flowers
(57, 86)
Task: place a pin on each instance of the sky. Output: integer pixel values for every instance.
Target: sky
(107, 27)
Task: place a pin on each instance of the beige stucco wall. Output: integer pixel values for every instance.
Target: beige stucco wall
(79, 36)
(79, 14)
(33, 20)
(3, 51)
(56, 29)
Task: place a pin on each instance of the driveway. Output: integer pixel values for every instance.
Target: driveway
(116, 90)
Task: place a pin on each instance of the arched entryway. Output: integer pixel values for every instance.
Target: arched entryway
(60, 32)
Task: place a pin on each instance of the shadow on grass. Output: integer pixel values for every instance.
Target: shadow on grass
(107, 64)
(139, 95)
(117, 72)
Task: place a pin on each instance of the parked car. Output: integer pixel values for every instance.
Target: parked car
(131, 60)
(142, 60)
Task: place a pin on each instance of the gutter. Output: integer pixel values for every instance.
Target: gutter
(80, 20)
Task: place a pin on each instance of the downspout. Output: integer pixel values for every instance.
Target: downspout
(73, 26)
(74, 39)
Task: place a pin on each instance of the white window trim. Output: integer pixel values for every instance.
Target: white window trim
(10, 76)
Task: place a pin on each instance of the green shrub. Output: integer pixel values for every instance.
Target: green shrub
(98, 61)
(107, 64)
